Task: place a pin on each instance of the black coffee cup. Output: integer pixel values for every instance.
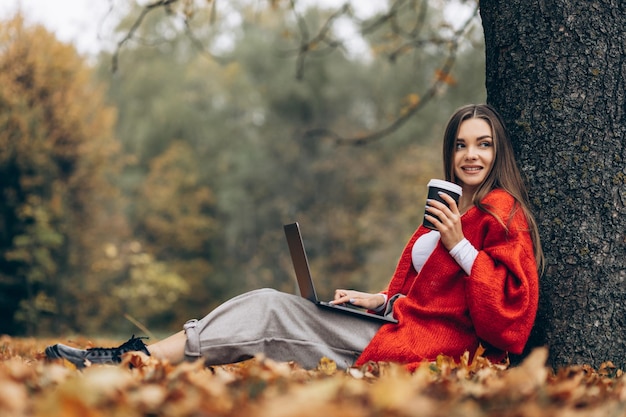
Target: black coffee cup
(440, 186)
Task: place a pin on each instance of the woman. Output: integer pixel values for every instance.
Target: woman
(472, 281)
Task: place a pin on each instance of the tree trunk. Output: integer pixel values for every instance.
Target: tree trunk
(556, 70)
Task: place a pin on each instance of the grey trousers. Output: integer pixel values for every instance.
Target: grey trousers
(283, 327)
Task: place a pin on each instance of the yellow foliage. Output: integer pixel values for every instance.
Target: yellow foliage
(56, 149)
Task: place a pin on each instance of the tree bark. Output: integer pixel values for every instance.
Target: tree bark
(556, 70)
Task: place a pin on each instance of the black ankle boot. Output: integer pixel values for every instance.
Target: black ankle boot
(96, 355)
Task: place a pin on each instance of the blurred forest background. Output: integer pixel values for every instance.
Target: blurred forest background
(155, 192)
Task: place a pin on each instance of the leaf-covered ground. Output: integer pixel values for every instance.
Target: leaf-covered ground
(32, 386)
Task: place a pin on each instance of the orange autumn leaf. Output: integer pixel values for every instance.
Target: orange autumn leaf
(444, 77)
(31, 386)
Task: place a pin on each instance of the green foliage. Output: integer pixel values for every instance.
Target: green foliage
(152, 288)
(33, 251)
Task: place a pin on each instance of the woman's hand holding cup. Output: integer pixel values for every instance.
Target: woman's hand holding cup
(442, 212)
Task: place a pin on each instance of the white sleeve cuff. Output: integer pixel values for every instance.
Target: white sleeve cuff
(381, 307)
(464, 253)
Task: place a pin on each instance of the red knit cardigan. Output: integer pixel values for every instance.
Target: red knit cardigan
(445, 311)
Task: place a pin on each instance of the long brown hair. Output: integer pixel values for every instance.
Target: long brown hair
(504, 172)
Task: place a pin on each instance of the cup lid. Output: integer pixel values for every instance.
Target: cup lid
(446, 185)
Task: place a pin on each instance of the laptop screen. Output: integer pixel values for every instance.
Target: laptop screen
(300, 262)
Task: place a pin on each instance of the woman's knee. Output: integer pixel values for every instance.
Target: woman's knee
(270, 296)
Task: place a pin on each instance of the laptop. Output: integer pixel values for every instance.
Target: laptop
(305, 281)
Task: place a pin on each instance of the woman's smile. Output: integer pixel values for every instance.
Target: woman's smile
(471, 169)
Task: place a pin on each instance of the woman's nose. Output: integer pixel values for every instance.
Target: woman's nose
(470, 153)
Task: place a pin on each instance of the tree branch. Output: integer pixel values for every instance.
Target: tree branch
(440, 79)
(307, 46)
(131, 32)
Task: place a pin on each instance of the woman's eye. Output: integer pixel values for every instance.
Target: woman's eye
(485, 144)
(460, 145)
